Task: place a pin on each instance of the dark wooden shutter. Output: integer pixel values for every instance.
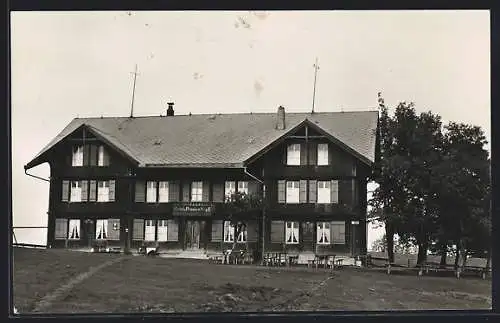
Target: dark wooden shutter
(65, 191)
(113, 229)
(308, 232)
(277, 231)
(61, 229)
(140, 191)
(281, 191)
(303, 154)
(85, 190)
(334, 191)
(345, 192)
(86, 155)
(217, 230)
(186, 191)
(254, 188)
(172, 230)
(252, 231)
(112, 190)
(303, 191)
(105, 154)
(313, 191)
(138, 230)
(93, 155)
(331, 159)
(173, 191)
(205, 191)
(93, 191)
(284, 155)
(337, 232)
(218, 192)
(313, 153)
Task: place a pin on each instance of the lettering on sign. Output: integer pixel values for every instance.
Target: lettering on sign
(193, 210)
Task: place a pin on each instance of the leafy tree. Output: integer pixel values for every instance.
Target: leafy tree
(240, 204)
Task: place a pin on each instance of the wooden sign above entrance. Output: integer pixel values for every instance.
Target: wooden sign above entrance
(193, 209)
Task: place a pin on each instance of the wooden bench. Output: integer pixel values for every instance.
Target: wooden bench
(482, 271)
(339, 263)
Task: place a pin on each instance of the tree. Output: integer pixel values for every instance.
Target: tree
(238, 204)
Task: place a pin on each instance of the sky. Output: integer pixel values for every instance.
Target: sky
(79, 64)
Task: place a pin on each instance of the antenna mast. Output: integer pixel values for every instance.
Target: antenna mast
(133, 92)
(316, 68)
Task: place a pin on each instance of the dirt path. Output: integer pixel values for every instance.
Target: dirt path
(47, 300)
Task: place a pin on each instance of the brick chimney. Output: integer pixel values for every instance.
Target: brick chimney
(280, 118)
(170, 110)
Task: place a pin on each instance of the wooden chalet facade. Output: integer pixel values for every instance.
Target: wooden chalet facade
(126, 181)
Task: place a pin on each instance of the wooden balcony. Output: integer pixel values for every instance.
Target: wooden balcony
(313, 208)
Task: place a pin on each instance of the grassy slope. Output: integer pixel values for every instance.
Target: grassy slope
(38, 272)
(168, 285)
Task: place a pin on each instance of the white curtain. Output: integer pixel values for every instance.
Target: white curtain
(101, 231)
(162, 230)
(74, 229)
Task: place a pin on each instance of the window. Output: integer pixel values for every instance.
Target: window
(103, 191)
(322, 154)
(100, 158)
(242, 236)
(293, 154)
(74, 229)
(151, 192)
(228, 231)
(76, 192)
(163, 192)
(101, 229)
(77, 156)
(196, 191)
(323, 233)
(292, 192)
(324, 194)
(229, 189)
(243, 187)
(292, 232)
(149, 230)
(162, 230)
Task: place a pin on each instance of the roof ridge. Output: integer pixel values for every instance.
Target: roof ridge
(222, 114)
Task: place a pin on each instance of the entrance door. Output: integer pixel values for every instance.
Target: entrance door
(192, 235)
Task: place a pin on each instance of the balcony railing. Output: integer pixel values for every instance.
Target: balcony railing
(314, 208)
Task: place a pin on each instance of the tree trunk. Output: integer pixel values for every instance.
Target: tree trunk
(389, 233)
(464, 258)
(488, 260)
(422, 251)
(444, 251)
(457, 254)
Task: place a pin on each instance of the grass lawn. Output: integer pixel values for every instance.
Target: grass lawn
(144, 284)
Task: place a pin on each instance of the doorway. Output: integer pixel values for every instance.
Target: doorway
(192, 235)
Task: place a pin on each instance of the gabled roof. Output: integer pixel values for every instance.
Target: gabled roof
(222, 140)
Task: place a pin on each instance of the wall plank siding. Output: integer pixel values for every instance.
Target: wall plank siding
(253, 188)
(345, 191)
(140, 191)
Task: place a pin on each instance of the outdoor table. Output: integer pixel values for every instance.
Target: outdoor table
(291, 258)
(325, 258)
